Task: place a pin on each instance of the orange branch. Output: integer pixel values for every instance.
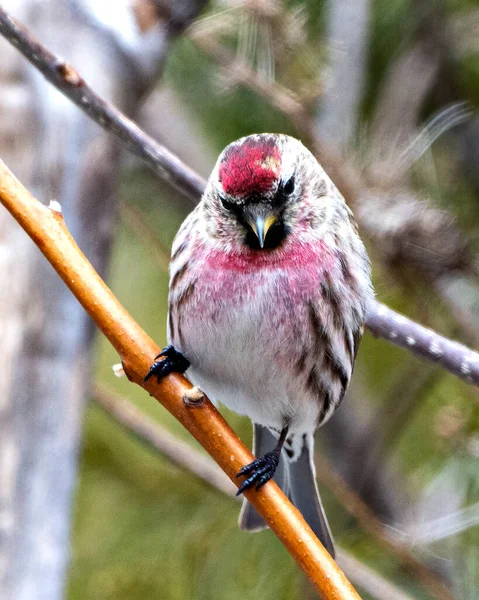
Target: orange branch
(48, 230)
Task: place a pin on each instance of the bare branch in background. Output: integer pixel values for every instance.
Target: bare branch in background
(382, 321)
(452, 356)
(65, 78)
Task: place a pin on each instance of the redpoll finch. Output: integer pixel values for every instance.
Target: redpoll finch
(268, 293)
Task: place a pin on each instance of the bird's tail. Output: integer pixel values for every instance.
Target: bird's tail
(298, 481)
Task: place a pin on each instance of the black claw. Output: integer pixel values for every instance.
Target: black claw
(244, 486)
(169, 352)
(173, 362)
(247, 469)
(264, 479)
(261, 470)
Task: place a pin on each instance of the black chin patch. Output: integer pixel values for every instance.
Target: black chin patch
(274, 238)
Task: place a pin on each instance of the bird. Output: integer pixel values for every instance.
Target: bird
(269, 288)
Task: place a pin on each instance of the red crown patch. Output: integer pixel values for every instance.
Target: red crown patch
(251, 167)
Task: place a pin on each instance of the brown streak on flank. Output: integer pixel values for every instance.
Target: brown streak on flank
(178, 275)
(300, 365)
(183, 299)
(172, 316)
(179, 250)
(325, 407)
(333, 301)
(185, 295)
(313, 383)
(324, 290)
(323, 343)
(179, 333)
(336, 368)
(320, 391)
(316, 325)
(345, 270)
(350, 344)
(357, 336)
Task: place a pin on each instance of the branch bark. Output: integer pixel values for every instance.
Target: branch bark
(382, 321)
(452, 356)
(47, 229)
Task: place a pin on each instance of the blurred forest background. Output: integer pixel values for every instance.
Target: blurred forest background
(386, 94)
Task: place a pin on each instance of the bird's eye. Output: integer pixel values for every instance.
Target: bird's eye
(226, 203)
(288, 188)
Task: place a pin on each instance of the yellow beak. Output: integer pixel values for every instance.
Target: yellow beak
(261, 226)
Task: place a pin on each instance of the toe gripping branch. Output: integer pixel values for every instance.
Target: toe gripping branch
(261, 470)
(173, 362)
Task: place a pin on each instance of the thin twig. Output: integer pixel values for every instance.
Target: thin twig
(187, 458)
(456, 358)
(137, 351)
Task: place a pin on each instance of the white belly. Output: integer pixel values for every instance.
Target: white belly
(242, 350)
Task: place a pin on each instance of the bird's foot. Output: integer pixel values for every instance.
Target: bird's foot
(259, 472)
(173, 362)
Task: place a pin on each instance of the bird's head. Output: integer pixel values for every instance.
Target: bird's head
(261, 188)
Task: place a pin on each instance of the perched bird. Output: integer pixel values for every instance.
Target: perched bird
(268, 293)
